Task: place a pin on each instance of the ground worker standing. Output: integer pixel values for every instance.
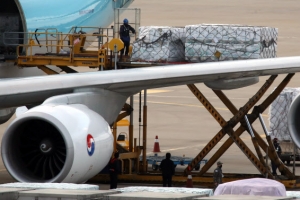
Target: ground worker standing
(114, 170)
(125, 37)
(168, 169)
(218, 175)
(278, 151)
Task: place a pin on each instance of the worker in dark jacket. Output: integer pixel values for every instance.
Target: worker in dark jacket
(278, 151)
(125, 37)
(114, 170)
(218, 175)
(168, 169)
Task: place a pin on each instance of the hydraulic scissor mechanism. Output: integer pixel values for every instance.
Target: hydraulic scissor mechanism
(241, 116)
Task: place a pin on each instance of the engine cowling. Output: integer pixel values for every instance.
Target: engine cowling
(294, 121)
(57, 143)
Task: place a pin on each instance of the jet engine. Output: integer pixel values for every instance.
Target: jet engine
(294, 121)
(57, 143)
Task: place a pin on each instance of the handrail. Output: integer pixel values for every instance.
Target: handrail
(58, 41)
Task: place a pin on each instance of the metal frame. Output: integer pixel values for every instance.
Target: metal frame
(240, 116)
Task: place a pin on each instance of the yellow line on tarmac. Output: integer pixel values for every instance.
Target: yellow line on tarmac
(154, 91)
(189, 105)
(181, 148)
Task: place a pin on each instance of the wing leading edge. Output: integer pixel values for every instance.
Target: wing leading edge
(16, 92)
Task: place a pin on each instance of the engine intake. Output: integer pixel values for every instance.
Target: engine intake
(38, 148)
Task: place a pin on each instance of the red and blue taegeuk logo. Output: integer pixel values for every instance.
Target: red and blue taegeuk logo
(90, 144)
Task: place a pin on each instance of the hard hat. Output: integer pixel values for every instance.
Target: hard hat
(219, 163)
(125, 21)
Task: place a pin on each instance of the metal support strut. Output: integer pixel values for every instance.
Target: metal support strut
(246, 121)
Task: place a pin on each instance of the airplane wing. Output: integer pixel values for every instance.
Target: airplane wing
(68, 137)
(16, 92)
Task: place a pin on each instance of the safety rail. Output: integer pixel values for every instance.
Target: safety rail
(56, 48)
(109, 32)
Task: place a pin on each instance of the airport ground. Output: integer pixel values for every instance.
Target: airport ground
(182, 124)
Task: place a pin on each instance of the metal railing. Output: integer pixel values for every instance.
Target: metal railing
(51, 38)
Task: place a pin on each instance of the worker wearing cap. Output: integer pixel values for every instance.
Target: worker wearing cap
(125, 37)
(218, 175)
(278, 151)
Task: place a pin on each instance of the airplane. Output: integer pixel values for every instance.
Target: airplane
(23, 16)
(67, 136)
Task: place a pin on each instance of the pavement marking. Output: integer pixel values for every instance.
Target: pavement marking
(202, 145)
(192, 97)
(183, 97)
(180, 148)
(190, 105)
(155, 91)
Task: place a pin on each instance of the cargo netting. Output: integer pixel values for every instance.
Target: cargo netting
(204, 43)
(278, 113)
(159, 44)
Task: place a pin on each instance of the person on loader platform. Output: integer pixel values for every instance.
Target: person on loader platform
(125, 37)
(168, 170)
(114, 170)
(218, 175)
(278, 151)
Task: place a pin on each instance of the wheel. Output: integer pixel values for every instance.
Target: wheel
(197, 167)
(288, 162)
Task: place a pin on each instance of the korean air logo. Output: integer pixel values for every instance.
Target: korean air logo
(90, 144)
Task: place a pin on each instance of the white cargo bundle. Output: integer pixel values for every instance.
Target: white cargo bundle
(159, 44)
(213, 42)
(278, 113)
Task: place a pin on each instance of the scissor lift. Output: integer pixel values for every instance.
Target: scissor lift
(240, 116)
(92, 50)
(71, 50)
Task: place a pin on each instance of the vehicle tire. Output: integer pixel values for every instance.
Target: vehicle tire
(288, 162)
(197, 167)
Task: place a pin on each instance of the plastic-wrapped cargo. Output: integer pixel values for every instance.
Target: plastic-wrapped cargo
(278, 114)
(213, 42)
(159, 44)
